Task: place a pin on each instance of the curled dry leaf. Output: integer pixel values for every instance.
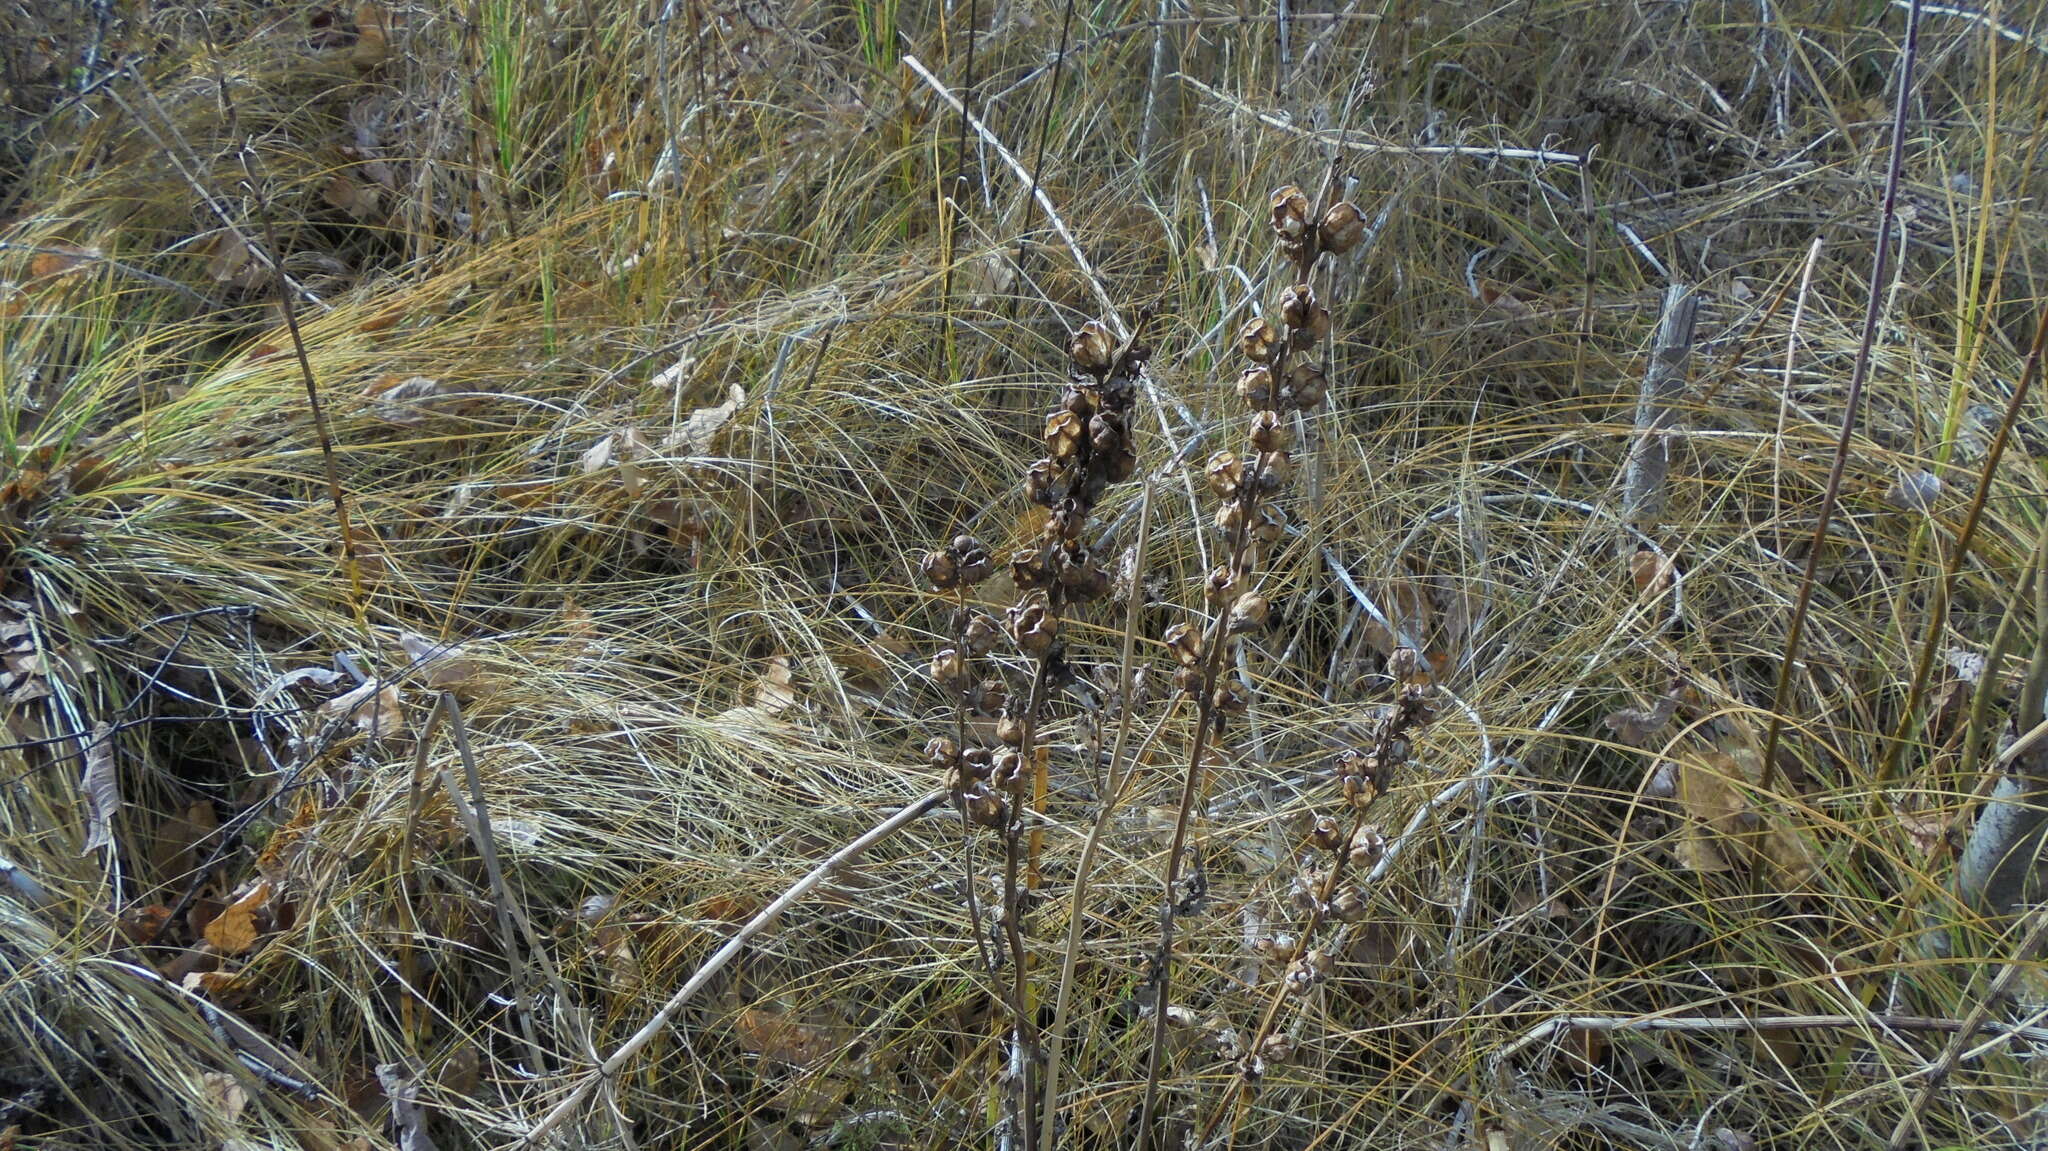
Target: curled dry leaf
(102, 787)
(373, 707)
(401, 1085)
(225, 1093)
(235, 930)
(696, 435)
(443, 665)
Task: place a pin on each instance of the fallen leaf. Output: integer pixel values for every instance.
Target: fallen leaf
(402, 1087)
(775, 1036)
(373, 37)
(373, 707)
(773, 692)
(696, 435)
(226, 1094)
(102, 787)
(56, 259)
(235, 930)
(444, 665)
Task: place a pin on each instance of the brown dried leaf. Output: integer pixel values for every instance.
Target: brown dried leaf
(102, 787)
(443, 665)
(235, 930)
(773, 692)
(225, 1093)
(775, 1036)
(373, 707)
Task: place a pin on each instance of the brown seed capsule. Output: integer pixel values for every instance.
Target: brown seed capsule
(975, 762)
(1009, 767)
(1028, 568)
(973, 558)
(1348, 906)
(944, 754)
(1187, 679)
(1092, 347)
(1258, 340)
(1342, 227)
(1255, 386)
(949, 670)
(1326, 835)
(1063, 432)
(1404, 665)
(990, 696)
(1227, 700)
(1306, 388)
(1106, 432)
(1290, 213)
(1248, 613)
(1269, 432)
(941, 569)
(986, 808)
(1121, 464)
(1010, 729)
(1269, 525)
(1225, 474)
(981, 635)
(1298, 306)
(1367, 845)
(1040, 483)
(1185, 643)
(1275, 469)
(1032, 625)
(1220, 586)
(1230, 518)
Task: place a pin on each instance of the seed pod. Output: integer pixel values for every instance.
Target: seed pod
(1348, 906)
(1258, 340)
(1225, 474)
(1230, 518)
(1341, 228)
(1306, 388)
(981, 635)
(1009, 768)
(1269, 432)
(990, 696)
(973, 558)
(1255, 386)
(1185, 643)
(1220, 586)
(1275, 469)
(1040, 483)
(1029, 570)
(1326, 834)
(1010, 729)
(1227, 700)
(1076, 567)
(1081, 400)
(1290, 213)
(1106, 432)
(1298, 306)
(943, 753)
(1269, 525)
(1404, 665)
(1063, 432)
(1367, 845)
(1248, 613)
(1187, 679)
(975, 762)
(1092, 348)
(1032, 625)
(987, 808)
(949, 670)
(941, 569)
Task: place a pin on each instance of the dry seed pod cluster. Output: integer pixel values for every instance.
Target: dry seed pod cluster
(1282, 376)
(1089, 445)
